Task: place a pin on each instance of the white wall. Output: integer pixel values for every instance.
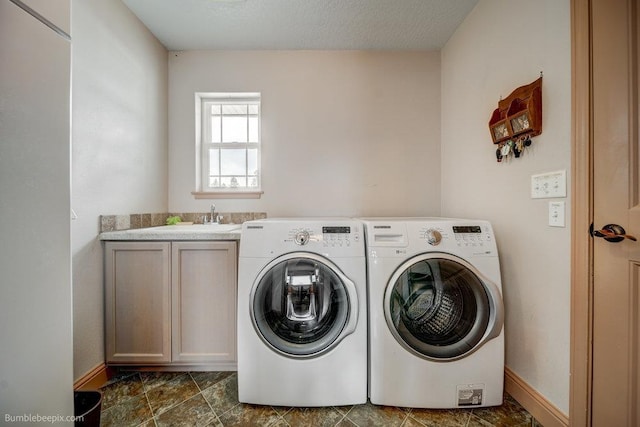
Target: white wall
(488, 57)
(119, 147)
(343, 132)
(35, 256)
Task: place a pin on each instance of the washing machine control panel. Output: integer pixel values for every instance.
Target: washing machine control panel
(471, 236)
(327, 236)
(339, 236)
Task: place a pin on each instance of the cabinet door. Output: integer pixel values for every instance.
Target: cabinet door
(137, 302)
(204, 303)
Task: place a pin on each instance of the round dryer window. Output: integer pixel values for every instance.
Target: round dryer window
(302, 305)
(437, 306)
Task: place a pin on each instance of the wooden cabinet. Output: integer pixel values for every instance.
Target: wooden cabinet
(519, 114)
(171, 303)
(204, 302)
(138, 302)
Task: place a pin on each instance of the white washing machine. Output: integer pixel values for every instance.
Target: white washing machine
(436, 314)
(302, 313)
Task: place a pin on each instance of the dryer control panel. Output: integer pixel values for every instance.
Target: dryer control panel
(470, 239)
(462, 235)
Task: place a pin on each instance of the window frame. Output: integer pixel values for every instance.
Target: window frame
(203, 136)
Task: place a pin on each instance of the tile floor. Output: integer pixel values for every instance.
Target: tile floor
(159, 399)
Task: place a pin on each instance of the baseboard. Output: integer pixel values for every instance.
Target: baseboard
(536, 404)
(99, 375)
(93, 379)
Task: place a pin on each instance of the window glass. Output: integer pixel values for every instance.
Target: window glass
(216, 128)
(235, 109)
(253, 128)
(233, 181)
(252, 162)
(214, 162)
(230, 142)
(233, 161)
(234, 129)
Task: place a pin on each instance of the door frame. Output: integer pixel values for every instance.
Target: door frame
(581, 363)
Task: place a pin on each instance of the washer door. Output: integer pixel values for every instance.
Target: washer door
(302, 305)
(440, 308)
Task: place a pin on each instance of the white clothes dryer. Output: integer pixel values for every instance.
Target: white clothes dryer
(302, 322)
(436, 314)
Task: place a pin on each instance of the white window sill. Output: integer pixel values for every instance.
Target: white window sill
(227, 194)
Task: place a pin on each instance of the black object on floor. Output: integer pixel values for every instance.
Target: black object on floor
(86, 408)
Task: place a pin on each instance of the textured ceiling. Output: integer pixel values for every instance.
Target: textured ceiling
(302, 24)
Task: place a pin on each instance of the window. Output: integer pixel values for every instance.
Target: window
(229, 140)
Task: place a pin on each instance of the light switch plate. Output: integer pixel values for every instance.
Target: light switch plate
(556, 214)
(549, 185)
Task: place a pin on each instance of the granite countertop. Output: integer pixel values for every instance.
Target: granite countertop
(178, 232)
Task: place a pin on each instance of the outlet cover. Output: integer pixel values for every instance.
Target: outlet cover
(556, 214)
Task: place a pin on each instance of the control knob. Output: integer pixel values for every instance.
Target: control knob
(302, 237)
(433, 237)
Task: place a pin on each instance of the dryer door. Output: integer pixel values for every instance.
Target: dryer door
(439, 307)
(302, 305)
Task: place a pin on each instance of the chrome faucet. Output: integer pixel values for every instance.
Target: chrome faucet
(213, 218)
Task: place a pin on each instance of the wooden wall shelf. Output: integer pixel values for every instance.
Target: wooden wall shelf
(519, 115)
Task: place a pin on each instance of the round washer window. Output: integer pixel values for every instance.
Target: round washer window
(437, 307)
(301, 305)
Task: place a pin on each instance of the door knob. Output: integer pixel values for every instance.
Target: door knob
(611, 233)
